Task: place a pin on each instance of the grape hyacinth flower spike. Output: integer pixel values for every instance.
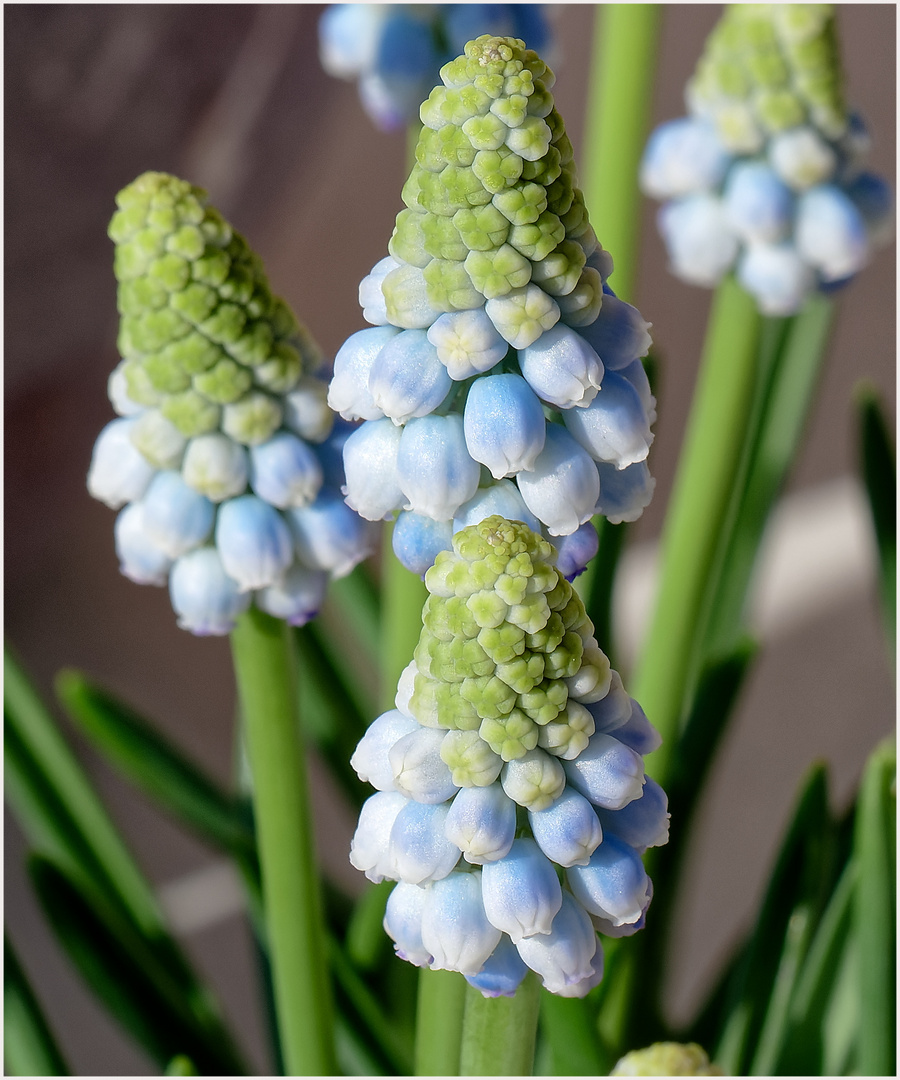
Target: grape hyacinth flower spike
(394, 51)
(221, 458)
(500, 373)
(511, 804)
(766, 176)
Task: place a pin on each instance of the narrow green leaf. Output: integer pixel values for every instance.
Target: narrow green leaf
(127, 975)
(570, 1027)
(802, 870)
(366, 942)
(874, 846)
(29, 1048)
(880, 477)
(154, 764)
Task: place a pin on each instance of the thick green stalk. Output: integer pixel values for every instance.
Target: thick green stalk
(618, 119)
(403, 597)
(439, 1018)
(499, 1033)
(710, 458)
(266, 678)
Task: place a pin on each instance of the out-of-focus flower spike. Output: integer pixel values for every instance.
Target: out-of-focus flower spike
(494, 272)
(496, 712)
(759, 177)
(667, 1059)
(225, 425)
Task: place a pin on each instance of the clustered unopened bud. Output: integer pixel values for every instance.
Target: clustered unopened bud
(512, 805)
(222, 460)
(766, 175)
(501, 374)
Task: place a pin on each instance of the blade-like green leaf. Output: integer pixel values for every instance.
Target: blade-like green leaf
(365, 941)
(570, 1027)
(125, 972)
(880, 477)
(874, 846)
(804, 868)
(153, 764)
(29, 1048)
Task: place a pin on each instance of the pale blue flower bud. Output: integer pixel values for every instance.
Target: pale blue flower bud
(643, 823)
(403, 923)
(575, 551)
(624, 493)
(140, 560)
(330, 452)
(157, 438)
(371, 298)
(328, 535)
(176, 517)
(418, 769)
(455, 929)
(482, 823)
(306, 411)
(759, 206)
(285, 471)
(830, 233)
(619, 334)
(119, 473)
(348, 392)
(348, 38)
(502, 973)
(614, 427)
(564, 486)
(467, 342)
(681, 157)
(504, 424)
(533, 780)
(874, 200)
(206, 600)
(370, 758)
(613, 885)
(637, 376)
(585, 986)
(117, 392)
(434, 468)
(370, 848)
(417, 540)
(801, 157)
(699, 241)
(562, 368)
(562, 956)
(254, 542)
(776, 276)
(407, 379)
(614, 709)
(606, 772)
(420, 850)
(216, 466)
(297, 598)
(637, 732)
(370, 464)
(502, 498)
(568, 831)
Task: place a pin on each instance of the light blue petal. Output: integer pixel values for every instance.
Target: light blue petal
(562, 368)
(372, 485)
(140, 560)
(643, 823)
(502, 973)
(254, 542)
(521, 891)
(435, 470)
(285, 471)
(206, 600)
(482, 823)
(403, 923)
(614, 884)
(503, 499)
(564, 956)
(504, 424)
(119, 472)
(575, 551)
(176, 517)
(407, 379)
(329, 536)
(624, 493)
(564, 486)
(759, 206)
(297, 598)
(455, 929)
(348, 392)
(607, 772)
(682, 157)
(615, 427)
(568, 831)
(418, 540)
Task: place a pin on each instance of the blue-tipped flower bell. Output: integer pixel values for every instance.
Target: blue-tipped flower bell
(222, 453)
(511, 784)
(395, 50)
(765, 177)
(492, 326)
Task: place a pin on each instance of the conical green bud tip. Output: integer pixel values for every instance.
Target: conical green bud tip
(506, 649)
(200, 328)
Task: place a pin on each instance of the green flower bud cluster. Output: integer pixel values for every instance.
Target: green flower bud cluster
(767, 68)
(507, 659)
(206, 347)
(667, 1059)
(493, 212)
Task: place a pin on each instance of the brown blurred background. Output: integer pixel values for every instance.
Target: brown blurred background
(233, 98)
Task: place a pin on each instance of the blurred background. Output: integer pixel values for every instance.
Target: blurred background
(232, 97)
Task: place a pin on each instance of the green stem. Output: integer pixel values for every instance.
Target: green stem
(439, 1020)
(404, 595)
(499, 1033)
(618, 118)
(710, 459)
(266, 678)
